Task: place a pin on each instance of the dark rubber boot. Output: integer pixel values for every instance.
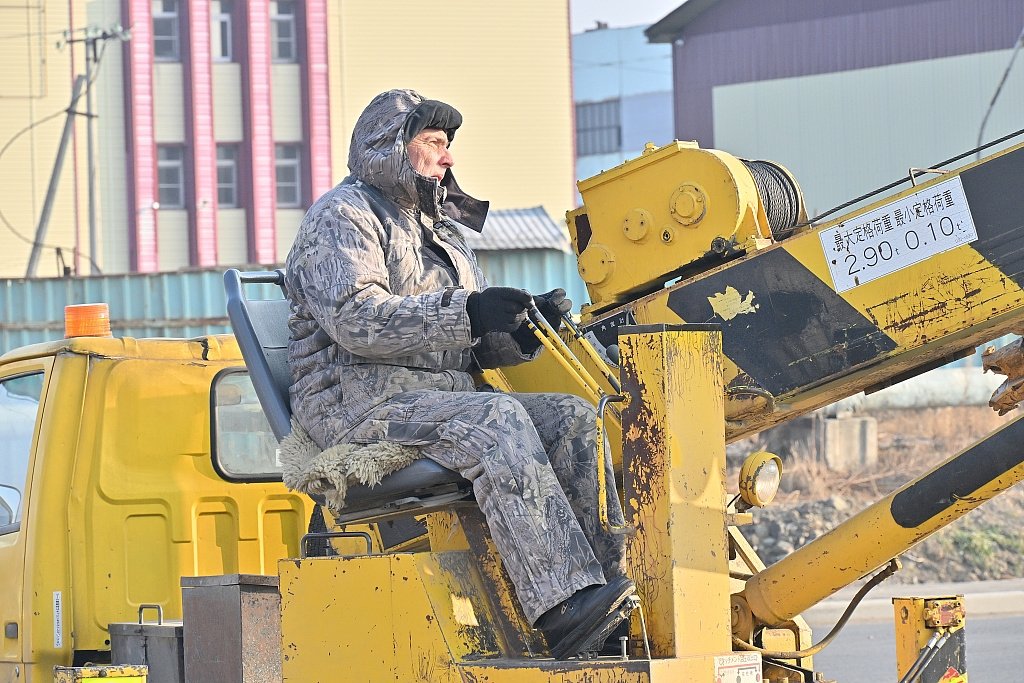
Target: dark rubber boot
(581, 622)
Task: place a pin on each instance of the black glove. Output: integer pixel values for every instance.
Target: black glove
(496, 309)
(551, 305)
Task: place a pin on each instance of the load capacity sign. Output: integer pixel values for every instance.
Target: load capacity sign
(899, 234)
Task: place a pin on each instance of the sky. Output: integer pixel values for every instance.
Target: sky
(584, 14)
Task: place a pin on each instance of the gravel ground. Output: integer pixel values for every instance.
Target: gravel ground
(987, 543)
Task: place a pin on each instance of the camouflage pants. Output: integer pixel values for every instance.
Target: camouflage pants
(532, 460)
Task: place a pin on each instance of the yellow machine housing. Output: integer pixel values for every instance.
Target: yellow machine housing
(653, 217)
(930, 639)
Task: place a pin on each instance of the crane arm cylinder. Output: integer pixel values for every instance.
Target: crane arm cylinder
(889, 527)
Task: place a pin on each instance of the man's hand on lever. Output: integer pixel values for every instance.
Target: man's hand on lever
(497, 309)
(552, 306)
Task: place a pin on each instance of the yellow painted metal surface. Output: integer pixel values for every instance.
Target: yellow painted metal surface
(15, 603)
(646, 222)
(125, 674)
(674, 471)
(911, 632)
(124, 499)
(429, 618)
(445, 532)
(373, 617)
(915, 627)
(943, 305)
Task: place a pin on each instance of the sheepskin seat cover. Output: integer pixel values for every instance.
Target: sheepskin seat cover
(328, 473)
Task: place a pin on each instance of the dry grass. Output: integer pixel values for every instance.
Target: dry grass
(910, 442)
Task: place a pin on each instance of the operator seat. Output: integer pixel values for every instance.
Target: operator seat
(261, 328)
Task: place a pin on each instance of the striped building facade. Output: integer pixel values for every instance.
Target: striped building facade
(218, 122)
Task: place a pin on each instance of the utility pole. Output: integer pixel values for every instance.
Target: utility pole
(91, 62)
(51, 190)
(93, 39)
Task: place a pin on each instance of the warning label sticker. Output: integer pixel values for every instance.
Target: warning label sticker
(739, 667)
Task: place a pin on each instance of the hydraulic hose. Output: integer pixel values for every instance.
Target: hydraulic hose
(892, 568)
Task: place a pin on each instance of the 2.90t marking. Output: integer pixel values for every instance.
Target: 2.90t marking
(899, 234)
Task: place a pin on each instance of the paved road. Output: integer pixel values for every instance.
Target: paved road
(865, 650)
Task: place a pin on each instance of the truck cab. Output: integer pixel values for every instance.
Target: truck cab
(126, 464)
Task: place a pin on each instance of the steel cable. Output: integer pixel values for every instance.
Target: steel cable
(778, 194)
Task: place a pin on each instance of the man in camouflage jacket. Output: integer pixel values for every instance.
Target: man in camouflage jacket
(390, 314)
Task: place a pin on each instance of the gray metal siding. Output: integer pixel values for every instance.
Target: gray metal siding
(738, 41)
(519, 229)
(191, 303)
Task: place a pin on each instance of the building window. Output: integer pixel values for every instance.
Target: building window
(170, 174)
(165, 31)
(220, 31)
(598, 128)
(282, 31)
(289, 187)
(227, 176)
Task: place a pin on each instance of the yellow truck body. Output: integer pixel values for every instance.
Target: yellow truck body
(112, 491)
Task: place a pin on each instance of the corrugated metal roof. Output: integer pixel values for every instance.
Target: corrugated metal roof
(519, 229)
(667, 29)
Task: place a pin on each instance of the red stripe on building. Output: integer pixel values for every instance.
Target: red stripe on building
(261, 194)
(316, 108)
(142, 189)
(198, 86)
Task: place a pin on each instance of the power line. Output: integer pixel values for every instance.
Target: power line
(68, 111)
(32, 34)
(999, 88)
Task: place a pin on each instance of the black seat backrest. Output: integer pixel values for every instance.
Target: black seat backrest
(261, 328)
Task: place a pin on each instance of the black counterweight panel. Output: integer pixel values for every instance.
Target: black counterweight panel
(994, 191)
(797, 332)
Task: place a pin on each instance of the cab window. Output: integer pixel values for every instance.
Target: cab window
(244, 447)
(19, 408)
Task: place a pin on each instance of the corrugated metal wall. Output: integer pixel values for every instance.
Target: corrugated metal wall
(183, 304)
(191, 303)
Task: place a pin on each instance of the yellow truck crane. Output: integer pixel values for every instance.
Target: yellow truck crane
(716, 311)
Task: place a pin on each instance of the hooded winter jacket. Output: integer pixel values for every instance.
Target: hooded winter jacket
(376, 309)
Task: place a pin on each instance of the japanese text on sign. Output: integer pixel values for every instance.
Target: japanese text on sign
(899, 234)
(740, 667)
